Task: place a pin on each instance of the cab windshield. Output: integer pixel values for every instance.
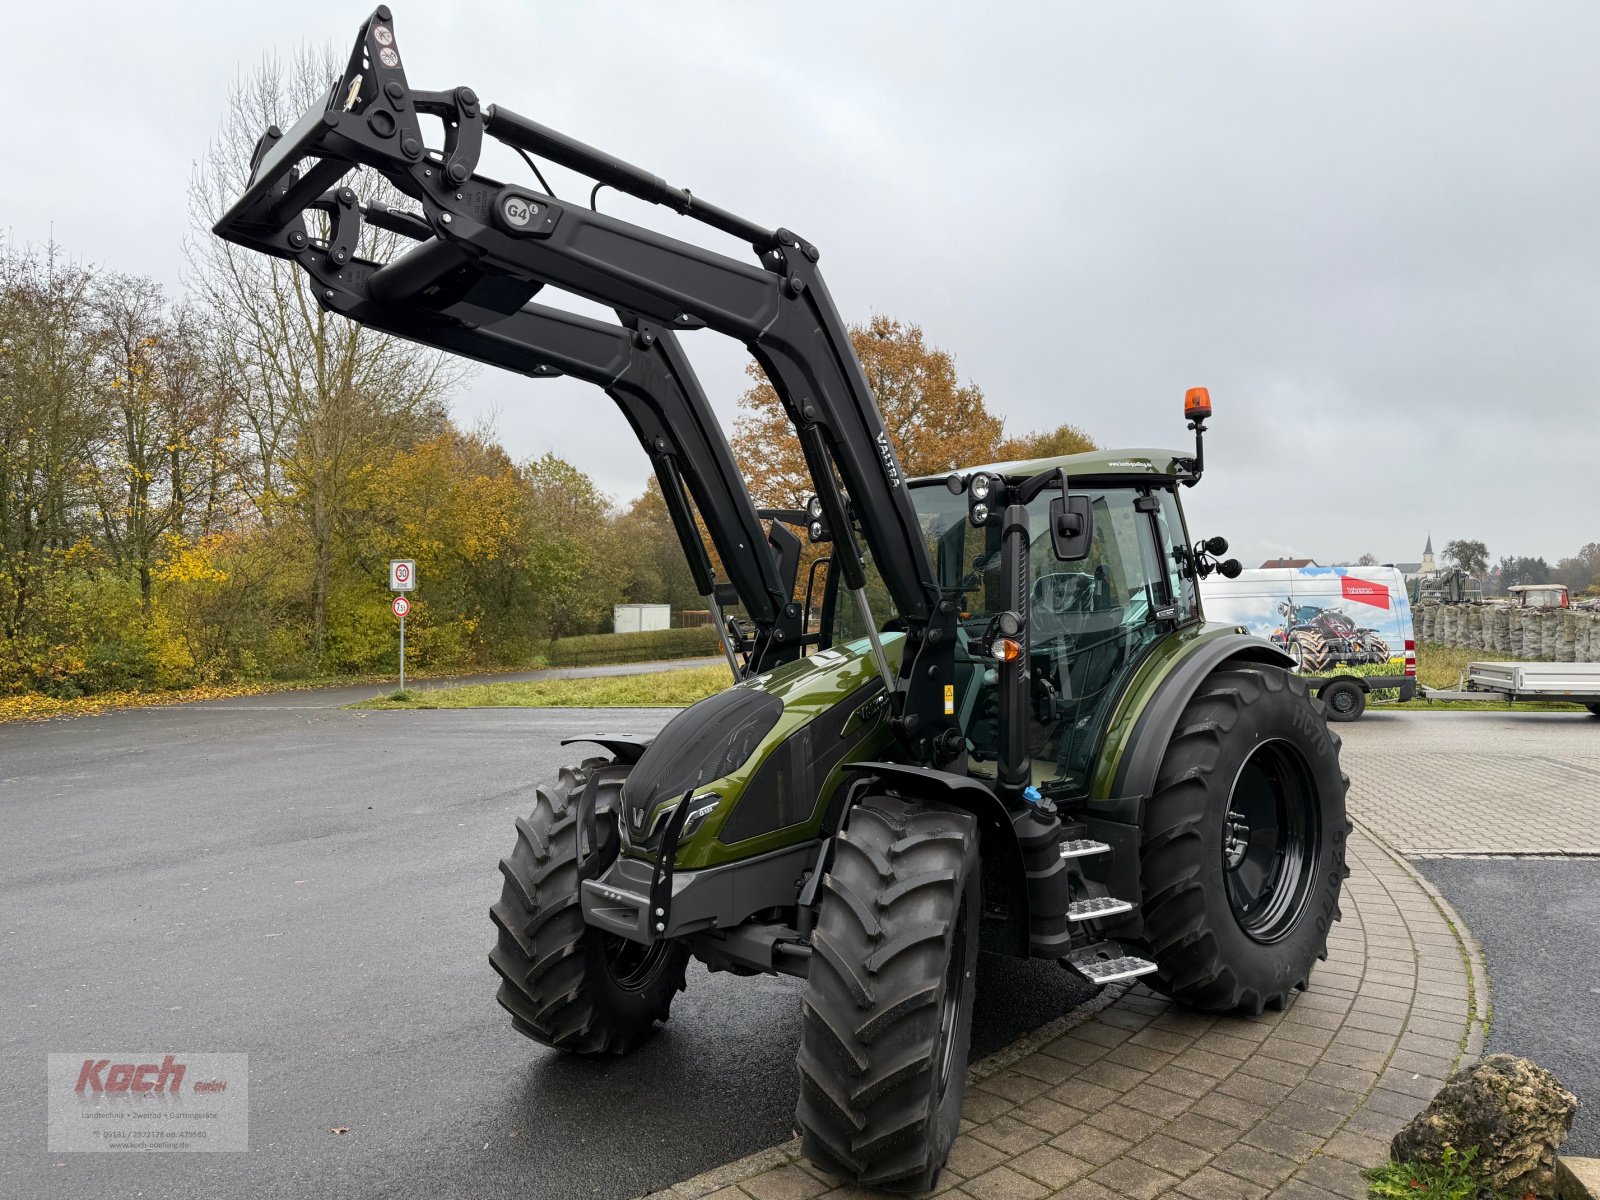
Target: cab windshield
(1091, 621)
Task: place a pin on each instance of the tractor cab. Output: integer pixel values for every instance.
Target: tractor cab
(1091, 621)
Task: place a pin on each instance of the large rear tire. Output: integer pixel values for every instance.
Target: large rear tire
(1244, 843)
(565, 983)
(888, 1002)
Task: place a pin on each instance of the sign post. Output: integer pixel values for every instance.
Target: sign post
(402, 579)
(401, 607)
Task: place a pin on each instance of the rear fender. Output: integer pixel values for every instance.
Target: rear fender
(1006, 904)
(1135, 777)
(1118, 819)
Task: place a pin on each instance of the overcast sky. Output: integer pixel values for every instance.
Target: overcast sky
(1373, 230)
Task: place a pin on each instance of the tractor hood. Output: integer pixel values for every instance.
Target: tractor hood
(758, 757)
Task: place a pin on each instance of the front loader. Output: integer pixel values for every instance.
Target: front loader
(1013, 733)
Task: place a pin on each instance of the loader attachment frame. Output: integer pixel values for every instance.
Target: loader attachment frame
(483, 248)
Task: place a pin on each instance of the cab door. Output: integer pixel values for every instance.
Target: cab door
(1091, 625)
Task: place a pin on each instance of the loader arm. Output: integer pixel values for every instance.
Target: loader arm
(484, 247)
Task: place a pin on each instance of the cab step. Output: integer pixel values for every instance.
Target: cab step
(1096, 907)
(1083, 848)
(1108, 962)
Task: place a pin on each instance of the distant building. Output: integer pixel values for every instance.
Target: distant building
(1412, 569)
(1288, 562)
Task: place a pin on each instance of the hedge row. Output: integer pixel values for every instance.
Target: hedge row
(650, 646)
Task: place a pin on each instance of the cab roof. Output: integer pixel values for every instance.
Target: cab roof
(1160, 464)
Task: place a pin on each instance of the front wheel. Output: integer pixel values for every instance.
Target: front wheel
(1244, 843)
(565, 983)
(888, 1001)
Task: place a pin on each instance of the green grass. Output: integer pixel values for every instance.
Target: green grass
(663, 689)
(1451, 1179)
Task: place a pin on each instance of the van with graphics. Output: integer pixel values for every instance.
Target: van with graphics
(1347, 628)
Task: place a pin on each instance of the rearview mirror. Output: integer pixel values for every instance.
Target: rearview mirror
(1071, 527)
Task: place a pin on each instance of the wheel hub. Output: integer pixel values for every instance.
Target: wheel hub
(1269, 841)
(1237, 842)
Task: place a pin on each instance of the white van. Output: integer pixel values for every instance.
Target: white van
(1347, 628)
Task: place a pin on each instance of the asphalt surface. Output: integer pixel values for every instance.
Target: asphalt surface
(310, 886)
(1536, 920)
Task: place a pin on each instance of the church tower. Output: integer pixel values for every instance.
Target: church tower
(1427, 556)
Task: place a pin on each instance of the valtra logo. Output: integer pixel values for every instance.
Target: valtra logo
(1364, 592)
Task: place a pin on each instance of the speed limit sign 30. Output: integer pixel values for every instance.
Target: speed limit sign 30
(401, 606)
(402, 575)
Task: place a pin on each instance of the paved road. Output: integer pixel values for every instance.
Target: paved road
(1451, 789)
(1537, 921)
(1460, 782)
(310, 886)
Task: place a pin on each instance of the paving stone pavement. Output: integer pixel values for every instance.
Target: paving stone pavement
(1449, 783)
(1143, 1099)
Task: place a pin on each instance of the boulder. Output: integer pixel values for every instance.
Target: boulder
(1515, 1112)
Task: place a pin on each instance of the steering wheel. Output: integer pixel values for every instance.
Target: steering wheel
(1064, 592)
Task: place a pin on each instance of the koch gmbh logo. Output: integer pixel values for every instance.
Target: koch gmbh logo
(190, 1103)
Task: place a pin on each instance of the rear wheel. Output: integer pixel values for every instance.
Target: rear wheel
(1244, 843)
(1377, 650)
(888, 1002)
(1345, 700)
(565, 983)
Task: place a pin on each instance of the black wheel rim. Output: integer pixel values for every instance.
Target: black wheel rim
(1344, 700)
(955, 991)
(1269, 841)
(630, 965)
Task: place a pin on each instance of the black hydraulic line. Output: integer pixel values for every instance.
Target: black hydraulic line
(518, 131)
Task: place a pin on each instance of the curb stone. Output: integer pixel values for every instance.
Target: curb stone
(1130, 1095)
(1577, 1178)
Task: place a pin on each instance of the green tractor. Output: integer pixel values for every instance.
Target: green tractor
(990, 718)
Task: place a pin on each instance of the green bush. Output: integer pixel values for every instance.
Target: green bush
(651, 646)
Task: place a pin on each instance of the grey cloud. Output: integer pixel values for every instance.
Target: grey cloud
(1367, 227)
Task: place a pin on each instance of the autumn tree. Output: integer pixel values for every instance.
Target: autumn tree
(1049, 443)
(573, 550)
(1580, 572)
(50, 343)
(162, 459)
(935, 421)
(657, 570)
(319, 396)
(1516, 569)
(1471, 556)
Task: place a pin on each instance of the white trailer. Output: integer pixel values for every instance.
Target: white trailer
(1576, 683)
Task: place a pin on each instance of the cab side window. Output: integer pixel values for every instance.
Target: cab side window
(1174, 540)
